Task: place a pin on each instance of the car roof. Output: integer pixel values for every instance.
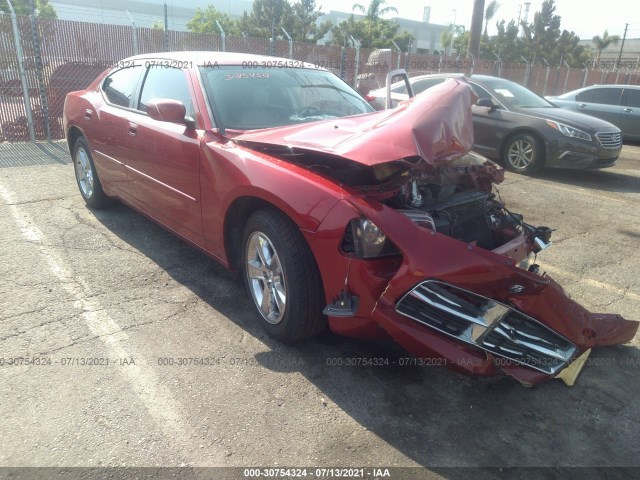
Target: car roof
(479, 78)
(611, 85)
(571, 93)
(225, 58)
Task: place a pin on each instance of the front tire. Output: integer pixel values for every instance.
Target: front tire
(523, 153)
(87, 177)
(282, 277)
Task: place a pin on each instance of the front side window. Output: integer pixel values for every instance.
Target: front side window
(512, 95)
(120, 86)
(422, 85)
(607, 96)
(247, 99)
(480, 92)
(166, 82)
(586, 96)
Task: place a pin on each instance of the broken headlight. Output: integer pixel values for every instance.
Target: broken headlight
(364, 239)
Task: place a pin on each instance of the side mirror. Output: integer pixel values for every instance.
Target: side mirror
(168, 110)
(486, 102)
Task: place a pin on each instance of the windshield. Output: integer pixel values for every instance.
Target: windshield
(512, 95)
(247, 99)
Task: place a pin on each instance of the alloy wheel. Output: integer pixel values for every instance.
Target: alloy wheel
(84, 172)
(520, 154)
(266, 278)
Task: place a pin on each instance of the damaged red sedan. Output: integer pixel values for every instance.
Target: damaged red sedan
(375, 224)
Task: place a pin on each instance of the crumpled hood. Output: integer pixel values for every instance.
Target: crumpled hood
(436, 125)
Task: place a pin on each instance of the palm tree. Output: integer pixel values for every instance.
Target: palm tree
(603, 42)
(375, 10)
(489, 13)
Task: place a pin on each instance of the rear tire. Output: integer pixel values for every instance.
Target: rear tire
(87, 177)
(523, 153)
(282, 277)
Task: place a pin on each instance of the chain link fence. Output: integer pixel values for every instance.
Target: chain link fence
(60, 56)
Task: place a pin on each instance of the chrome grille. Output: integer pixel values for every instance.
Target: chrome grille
(610, 140)
(485, 323)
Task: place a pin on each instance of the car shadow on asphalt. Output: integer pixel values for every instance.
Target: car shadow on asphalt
(436, 417)
(604, 180)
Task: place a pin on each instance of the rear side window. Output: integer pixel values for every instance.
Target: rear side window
(166, 82)
(421, 85)
(400, 89)
(631, 97)
(120, 86)
(607, 96)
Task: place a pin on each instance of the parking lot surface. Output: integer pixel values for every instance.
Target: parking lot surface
(123, 346)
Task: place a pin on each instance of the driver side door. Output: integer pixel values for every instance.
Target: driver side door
(163, 158)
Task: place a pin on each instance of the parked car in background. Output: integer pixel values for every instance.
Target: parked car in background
(522, 129)
(373, 71)
(618, 104)
(375, 224)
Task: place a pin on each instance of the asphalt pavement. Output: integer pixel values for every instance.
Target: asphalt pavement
(122, 346)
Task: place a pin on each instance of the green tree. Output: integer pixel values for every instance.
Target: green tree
(267, 15)
(303, 22)
(204, 21)
(22, 7)
(540, 37)
(372, 31)
(403, 40)
(568, 49)
(489, 13)
(602, 42)
(448, 40)
(370, 34)
(375, 10)
(506, 43)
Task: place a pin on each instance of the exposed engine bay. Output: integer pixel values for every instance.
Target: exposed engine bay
(464, 210)
(464, 215)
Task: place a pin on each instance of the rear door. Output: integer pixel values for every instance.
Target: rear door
(108, 126)
(163, 158)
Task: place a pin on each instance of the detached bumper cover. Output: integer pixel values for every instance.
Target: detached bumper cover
(529, 328)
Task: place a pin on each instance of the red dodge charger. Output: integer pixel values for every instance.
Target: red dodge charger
(375, 224)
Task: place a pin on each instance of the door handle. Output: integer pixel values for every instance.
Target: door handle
(582, 105)
(88, 114)
(628, 110)
(133, 129)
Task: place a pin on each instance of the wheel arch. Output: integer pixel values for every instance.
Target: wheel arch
(73, 133)
(527, 131)
(235, 219)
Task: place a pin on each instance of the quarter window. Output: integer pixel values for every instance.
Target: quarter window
(607, 96)
(166, 82)
(120, 86)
